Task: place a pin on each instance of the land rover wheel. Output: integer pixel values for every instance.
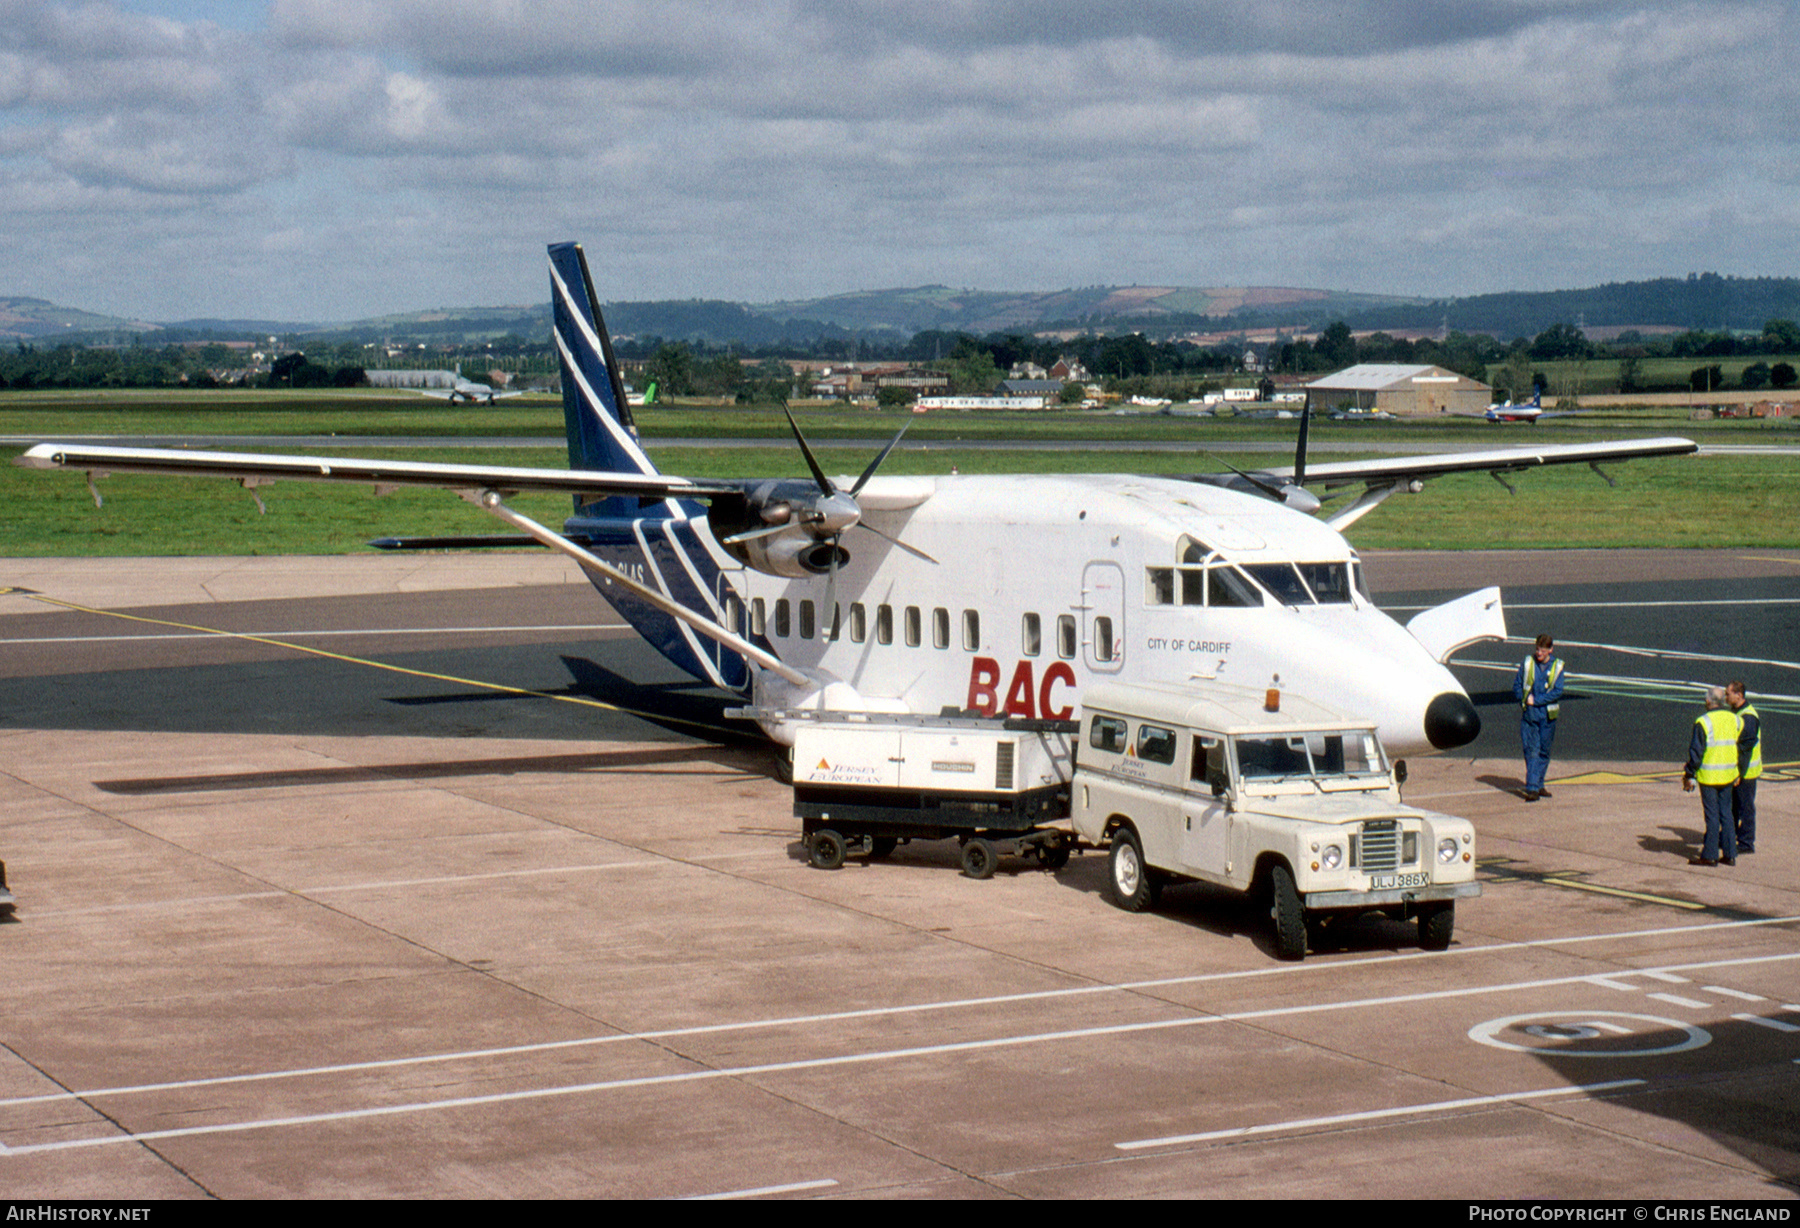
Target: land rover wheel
(1436, 921)
(1134, 889)
(826, 849)
(979, 858)
(1289, 914)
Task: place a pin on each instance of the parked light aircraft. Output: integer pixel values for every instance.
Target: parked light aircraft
(997, 594)
(468, 390)
(1506, 411)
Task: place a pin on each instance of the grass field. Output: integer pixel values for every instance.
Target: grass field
(1670, 503)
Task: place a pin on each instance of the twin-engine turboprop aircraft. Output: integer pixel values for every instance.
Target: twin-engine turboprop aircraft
(996, 594)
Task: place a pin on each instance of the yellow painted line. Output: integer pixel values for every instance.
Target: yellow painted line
(523, 692)
(1771, 771)
(1766, 558)
(1565, 878)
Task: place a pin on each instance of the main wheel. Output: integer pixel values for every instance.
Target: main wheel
(1134, 887)
(1435, 925)
(979, 858)
(1054, 853)
(881, 846)
(826, 849)
(1289, 914)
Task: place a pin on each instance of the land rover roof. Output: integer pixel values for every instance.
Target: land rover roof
(1216, 708)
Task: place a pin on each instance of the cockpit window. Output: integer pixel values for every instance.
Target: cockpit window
(1282, 581)
(1200, 577)
(1329, 582)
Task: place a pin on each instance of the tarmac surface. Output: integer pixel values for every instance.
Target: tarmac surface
(421, 877)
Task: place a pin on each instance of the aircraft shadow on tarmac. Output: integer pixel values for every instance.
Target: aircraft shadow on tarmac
(1726, 1079)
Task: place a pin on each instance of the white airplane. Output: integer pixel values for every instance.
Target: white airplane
(1506, 411)
(996, 594)
(468, 390)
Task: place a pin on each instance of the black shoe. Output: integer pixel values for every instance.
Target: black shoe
(1746, 848)
(1702, 861)
(1728, 861)
(1543, 793)
(1531, 795)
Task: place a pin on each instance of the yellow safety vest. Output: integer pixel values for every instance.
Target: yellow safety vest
(1718, 766)
(1550, 710)
(1755, 768)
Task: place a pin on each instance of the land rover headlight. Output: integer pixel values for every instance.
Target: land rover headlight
(1447, 850)
(1332, 857)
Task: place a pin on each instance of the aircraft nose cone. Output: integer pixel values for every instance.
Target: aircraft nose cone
(1450, 721)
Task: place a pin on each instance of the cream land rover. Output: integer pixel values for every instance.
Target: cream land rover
(1264, 793)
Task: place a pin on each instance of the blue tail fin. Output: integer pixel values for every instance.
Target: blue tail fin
(602, 435)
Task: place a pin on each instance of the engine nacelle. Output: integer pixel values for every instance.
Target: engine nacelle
(784, 528)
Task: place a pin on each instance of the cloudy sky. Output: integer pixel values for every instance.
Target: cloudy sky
(333, 159)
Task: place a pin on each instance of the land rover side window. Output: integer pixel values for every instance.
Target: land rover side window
(808, 619)
(1031, 635)
(1281, 580)
(1209, 756)
(1329, 582)
(759, 617)
(782, 625)
(859, 622)
(971, 630)
(1156, 744)
(1103, 639)
(884, 624)
(1272, 758)
(1159, 586)
(1107, 733)
(940, 628)
(1227, 586)
(912, 626)
(1065, 636)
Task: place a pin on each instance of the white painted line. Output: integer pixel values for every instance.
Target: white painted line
(1441, 1106)
(833, 1018)
(1779, 1025)
(575, 628)
(1734, 993)
(1667, 977)
(1609, 983)
(767, 1189)
(1677, 1000)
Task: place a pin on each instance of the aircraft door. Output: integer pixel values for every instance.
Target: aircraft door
(1103, 617)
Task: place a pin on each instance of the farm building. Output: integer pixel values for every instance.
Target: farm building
(1407, 391)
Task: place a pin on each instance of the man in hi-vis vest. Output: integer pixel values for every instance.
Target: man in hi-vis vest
(1712, 763)
(1743, 796)
(1538, 688)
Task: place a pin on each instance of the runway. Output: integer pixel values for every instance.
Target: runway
(427, 880)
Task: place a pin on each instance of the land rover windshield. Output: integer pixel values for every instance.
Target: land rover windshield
(1330, 759)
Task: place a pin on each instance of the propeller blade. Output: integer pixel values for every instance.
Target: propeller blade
(912, 550)
(876, 463)
(812, 462)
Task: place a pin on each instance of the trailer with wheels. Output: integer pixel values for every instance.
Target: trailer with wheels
(865, 783)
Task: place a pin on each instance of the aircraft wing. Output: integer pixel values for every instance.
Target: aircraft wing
(253, 469)
(1497, 460)
(1381, 478)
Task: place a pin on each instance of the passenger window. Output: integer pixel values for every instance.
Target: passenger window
(1107, 733)
(884, 624)
(733, 614)
(782, 626)
(1156, 744)
(807, 618)
(1103, 639)
(971, 631)
(912, 626)
(940, 628)
(859, 623)
(1065, 636)
(837, 622)
(1031, 636)
(759, 618)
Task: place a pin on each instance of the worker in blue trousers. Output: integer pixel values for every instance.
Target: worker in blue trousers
(1538, 687)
